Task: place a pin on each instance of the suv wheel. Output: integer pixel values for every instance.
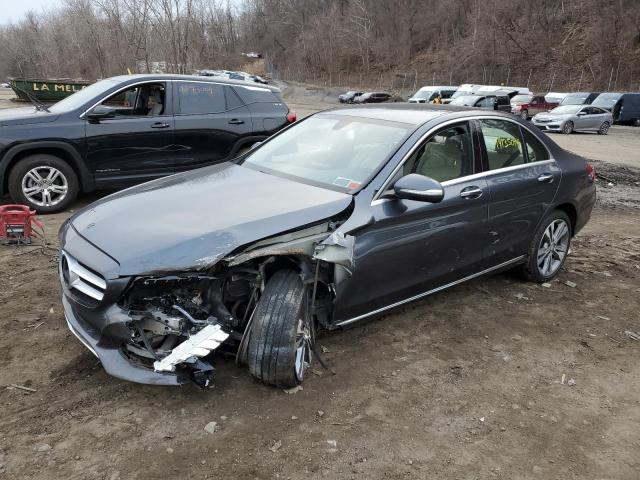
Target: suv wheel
(43, 182)
(567, 127)
(549, 248)
(282, 332)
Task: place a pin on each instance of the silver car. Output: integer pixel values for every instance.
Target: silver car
(574, 118)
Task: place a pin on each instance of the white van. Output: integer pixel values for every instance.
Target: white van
(429, 94)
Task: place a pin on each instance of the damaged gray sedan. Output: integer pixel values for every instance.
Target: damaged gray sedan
(338, 218)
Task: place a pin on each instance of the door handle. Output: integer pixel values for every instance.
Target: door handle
(236, 121)
(160, 125)
(471, 192)
(545, 178)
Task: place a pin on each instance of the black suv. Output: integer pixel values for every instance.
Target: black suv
(129, 129)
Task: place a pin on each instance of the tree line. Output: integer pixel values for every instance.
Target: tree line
(391, 44)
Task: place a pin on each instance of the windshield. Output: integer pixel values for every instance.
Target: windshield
(521, 99)
(423, 94)
(339, 152)
(80, 98)
(461, 93)
(607, 100)
(466, 100)
(564, 109)
(575, 99)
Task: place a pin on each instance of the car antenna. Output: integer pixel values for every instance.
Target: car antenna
(36, 103)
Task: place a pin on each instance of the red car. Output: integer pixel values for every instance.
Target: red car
(526, 106)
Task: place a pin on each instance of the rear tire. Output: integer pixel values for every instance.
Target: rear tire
(44, 182)
(604, 128)
(282, 332)
(567, 128)
(549, 248)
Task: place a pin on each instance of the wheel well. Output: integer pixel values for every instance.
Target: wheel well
(56, 152)
(570, 210)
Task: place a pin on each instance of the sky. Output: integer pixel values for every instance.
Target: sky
(12, 10)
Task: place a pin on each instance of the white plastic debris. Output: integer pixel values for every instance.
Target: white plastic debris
(571, 382)
(211, 427)
(571, 284)
(199, 345)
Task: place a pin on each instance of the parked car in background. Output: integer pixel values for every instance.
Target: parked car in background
(373, 97)
(579, 98)
(526, 106)
(340, 218)
(555, 97)
(624, 107)
(129, 129)
(483, 89)
(349, 97)
(5, 85)
(429, 94)
(575, 118)
(498, 102)
(463, 90)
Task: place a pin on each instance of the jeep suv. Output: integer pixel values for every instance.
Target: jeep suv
(129, 129)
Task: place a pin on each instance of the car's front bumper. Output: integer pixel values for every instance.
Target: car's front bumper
(552, 126)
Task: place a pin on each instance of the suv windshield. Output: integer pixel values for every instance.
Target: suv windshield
(423, 94)
(82, 97)
(575, 99)
(467, 100)
(606, 100)
(566, 109)
(338, 152)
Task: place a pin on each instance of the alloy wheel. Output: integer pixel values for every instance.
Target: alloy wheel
(305, 338)
(553, 247)
(45, 186)
(604, 128)
(524, 115)
(567, 127)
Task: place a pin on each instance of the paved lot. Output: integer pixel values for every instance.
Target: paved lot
(464, 385)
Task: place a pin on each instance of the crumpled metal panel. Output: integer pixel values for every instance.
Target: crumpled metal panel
(199, 345)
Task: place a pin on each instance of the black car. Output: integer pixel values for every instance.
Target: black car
(336, 219)
(490, 101)
(372, 97)
(129, 129)
(349, 97)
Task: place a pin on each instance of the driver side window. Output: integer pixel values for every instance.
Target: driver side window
(448, 154)
(503, 143)
(140, 100)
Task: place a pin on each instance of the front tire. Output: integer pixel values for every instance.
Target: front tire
(524, 115)
(282, 332)
(44, 182)
(567, 128)
(549, 248)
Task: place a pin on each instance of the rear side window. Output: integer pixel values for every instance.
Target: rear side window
(536, 151)
(503, 142)
(197, 98)
(255, 95)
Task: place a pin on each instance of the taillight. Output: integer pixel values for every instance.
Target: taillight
(291, 117)
(591, 172)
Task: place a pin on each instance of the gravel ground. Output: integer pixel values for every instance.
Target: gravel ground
(496, 378)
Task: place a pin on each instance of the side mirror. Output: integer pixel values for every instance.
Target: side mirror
(419, 188)
(101, 112)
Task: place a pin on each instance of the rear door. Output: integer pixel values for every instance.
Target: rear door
(138, 142)
(210, 123)
(522, 178)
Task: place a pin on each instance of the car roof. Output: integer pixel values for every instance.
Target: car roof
(198, 78)
(411, 113)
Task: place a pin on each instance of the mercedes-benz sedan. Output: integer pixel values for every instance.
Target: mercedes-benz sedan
(339, 218)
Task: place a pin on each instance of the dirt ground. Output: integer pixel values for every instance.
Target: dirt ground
(467, 384)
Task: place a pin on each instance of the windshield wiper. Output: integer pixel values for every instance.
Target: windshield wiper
(41, 107)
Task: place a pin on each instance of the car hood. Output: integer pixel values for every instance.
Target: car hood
(190, 221)
(25, 116)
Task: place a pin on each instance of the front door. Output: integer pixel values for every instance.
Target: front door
(413, 247)
(210, 121)
(137, 143)
(523, 183)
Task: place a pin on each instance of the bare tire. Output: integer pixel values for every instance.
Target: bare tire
(549, 248)
(282, 334)
(44, 182)
(524, 115)
(604, 128)
(567, 127)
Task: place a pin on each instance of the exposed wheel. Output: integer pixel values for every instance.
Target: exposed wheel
(524, 115)
(567, 127)
(549, 248)
(44, 182)
(282, 332)
(604, 128)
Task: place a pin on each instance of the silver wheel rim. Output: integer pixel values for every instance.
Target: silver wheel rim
(304, 342)
(553, 247)
(44, 186)
(567, 127)
(604, 128)
(524, 115)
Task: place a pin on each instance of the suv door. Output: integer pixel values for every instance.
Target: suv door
(210, 122)
(137, 142)
(422, 246)
(523, 183)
